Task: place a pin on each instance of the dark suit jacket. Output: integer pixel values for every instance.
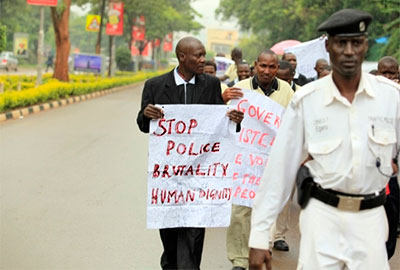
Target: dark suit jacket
(163, 90)
(301, 80)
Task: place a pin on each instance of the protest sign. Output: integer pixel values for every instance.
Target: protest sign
(190, 155)
(262, 118)
(307, 53)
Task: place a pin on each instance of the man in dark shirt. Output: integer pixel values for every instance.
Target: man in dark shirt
(298, 78)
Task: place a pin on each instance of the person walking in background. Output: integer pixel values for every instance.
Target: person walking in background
(285, 73)
(210, 68)
(49, 61)
(243, 72)
(389, 67)
(230, 73)
(320, 65)
(298, 78)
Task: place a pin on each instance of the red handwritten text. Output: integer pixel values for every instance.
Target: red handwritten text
(180, 127)
(216, 169)
(259, 113)
(191, 150)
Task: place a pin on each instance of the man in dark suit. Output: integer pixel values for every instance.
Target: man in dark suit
(298, 78)
(185, 84)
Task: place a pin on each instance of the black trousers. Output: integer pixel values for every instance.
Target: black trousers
(392, 213)
(182, 248)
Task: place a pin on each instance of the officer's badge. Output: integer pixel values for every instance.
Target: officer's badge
(362, 26)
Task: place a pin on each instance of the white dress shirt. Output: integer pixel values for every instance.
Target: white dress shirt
(179, 80)
(345, 140)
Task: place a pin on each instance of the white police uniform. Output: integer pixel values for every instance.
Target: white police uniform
(345, 140)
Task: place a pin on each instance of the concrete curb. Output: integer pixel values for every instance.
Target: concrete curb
(22, 112)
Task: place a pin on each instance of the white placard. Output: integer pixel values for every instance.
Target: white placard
(262, 118)
(307, 53)
(190, 158)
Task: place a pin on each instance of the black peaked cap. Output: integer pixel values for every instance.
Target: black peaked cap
(347, 22)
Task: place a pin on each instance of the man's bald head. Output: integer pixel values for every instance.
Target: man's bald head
(321, 61)
(191, 55)
(186, 43)
(269, 52)
(291, 58)
(389, 68)
(388, 60)
(320, 65)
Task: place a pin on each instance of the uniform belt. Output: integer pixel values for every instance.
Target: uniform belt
(348, 202)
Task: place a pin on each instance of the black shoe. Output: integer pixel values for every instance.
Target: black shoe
(238, 268)
(281, 245)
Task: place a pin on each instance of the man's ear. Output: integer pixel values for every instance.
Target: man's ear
(366, 45)
(326, 44)
(181, 56)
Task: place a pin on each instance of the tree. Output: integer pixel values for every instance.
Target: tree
(60, 18)
(18, 16)
(251, 46)
(3, 37)
(162, 17)
(274, 21)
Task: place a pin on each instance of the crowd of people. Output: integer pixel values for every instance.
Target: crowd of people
(338, 145)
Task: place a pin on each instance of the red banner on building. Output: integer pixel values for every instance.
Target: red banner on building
(42, 2)
(168, 43)
(138, 33)
(156, 43)
(146, 50)
(115, 25)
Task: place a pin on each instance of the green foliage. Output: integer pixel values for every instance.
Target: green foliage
(18, 16)
(393, 46)
(273, 21)
(3, 37)
(251, 46)
(123, 58)
(162, 17)
(79, 37)
(375, 52)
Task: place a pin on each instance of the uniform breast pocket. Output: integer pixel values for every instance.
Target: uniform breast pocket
(325, 154)
(380, 145)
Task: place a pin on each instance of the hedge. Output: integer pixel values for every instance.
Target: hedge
(53, 89)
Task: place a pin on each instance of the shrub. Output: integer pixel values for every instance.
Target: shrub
(123, 58)
(54, 89)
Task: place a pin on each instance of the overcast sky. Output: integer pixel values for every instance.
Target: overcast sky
(207, 9)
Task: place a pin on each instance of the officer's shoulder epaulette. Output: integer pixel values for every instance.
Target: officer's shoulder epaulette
(384, 80)
(303, 92)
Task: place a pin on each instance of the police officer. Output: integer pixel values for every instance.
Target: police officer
(348, 125)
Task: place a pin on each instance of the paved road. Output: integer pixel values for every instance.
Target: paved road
(21, 71)
(72, 192)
